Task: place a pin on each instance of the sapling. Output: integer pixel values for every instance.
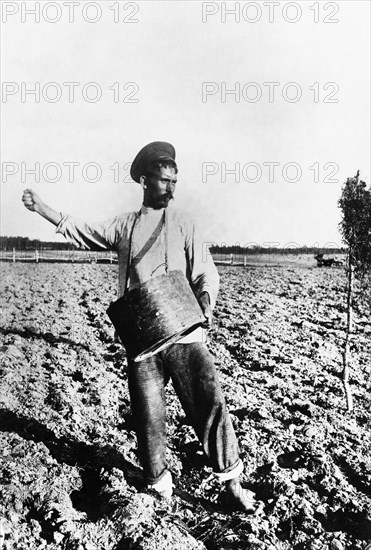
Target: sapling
(355, 228)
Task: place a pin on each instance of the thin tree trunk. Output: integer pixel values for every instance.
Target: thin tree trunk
(349, 329)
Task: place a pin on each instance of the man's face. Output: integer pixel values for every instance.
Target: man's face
(160, 188)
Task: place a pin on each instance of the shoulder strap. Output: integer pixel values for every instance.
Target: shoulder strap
(132, 262)
(129, 252)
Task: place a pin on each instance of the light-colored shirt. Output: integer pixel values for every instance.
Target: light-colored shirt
(187, 251)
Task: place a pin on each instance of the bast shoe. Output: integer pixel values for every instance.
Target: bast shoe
(164, 487)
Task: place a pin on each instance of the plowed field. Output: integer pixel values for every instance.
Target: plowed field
(70, 478)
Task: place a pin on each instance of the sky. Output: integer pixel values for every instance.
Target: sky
(267, 106)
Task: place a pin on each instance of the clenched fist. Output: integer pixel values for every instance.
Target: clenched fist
(31, 200)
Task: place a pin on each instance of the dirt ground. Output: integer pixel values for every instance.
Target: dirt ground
(70, 477)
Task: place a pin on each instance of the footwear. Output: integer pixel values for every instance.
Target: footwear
(164, 487)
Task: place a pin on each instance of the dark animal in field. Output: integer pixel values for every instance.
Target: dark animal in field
(325, 262)
(338, 262)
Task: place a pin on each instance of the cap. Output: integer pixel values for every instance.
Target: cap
(157, 150)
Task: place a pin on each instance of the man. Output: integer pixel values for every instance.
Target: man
(152, 247)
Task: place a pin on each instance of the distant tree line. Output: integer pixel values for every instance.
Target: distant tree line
(24, 243)
(256, 249)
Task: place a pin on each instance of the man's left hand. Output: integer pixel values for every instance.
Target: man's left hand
(204, 300)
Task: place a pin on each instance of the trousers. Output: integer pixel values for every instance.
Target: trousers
(192, 371)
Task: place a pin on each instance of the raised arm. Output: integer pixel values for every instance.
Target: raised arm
(95, 236)
(32, 202)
